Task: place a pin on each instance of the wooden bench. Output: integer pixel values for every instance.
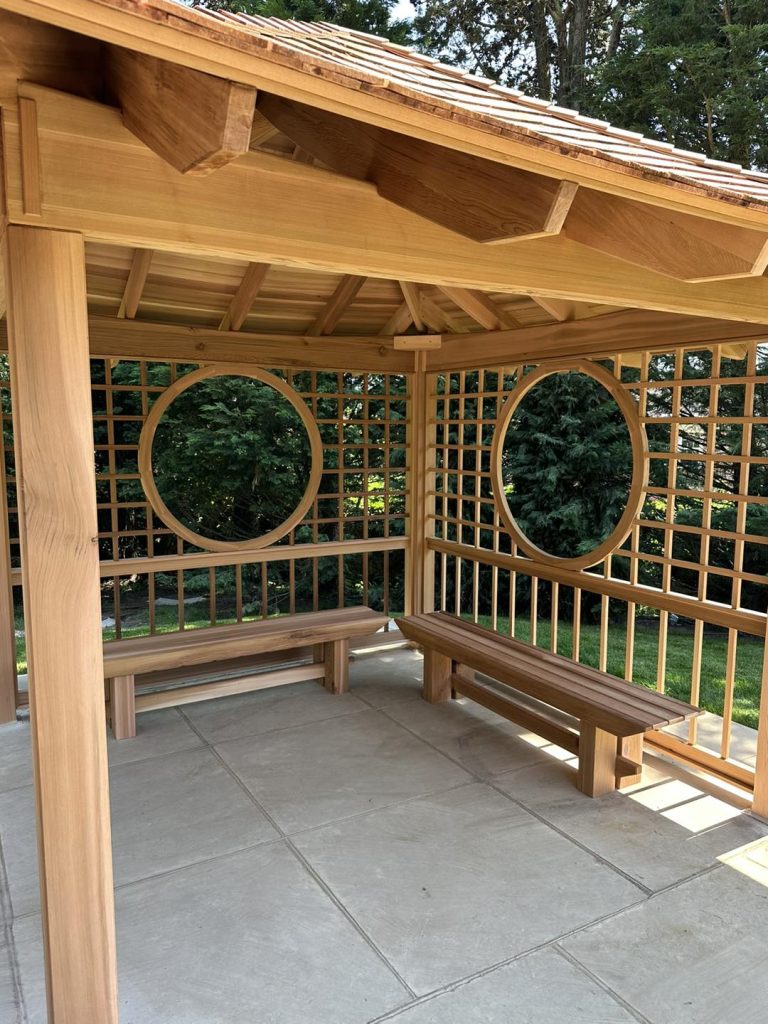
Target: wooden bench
(612, 715)
(150, 658)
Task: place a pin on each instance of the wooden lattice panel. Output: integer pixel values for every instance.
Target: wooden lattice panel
(695, 553)
(361, 499)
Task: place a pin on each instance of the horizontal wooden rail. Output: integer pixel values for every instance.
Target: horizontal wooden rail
(725, 768)
(213, 559)
(715, 614)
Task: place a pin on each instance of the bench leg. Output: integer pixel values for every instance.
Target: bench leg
(122, 703)
(318, 653)
(597, 760)
(630, 747)
(465, 672)
(437, 676)
(337, 666)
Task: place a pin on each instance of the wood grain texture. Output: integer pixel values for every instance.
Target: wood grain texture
(150, 206)
(479, 199)
(597, 760)
(244, 297)
(138, 655)
(122, 707)
(48, 337)
(193, 121)
(684, 247)
(8, 686)
(134, 286)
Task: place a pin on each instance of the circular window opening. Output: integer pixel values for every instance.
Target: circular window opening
(230, 457)
(569, 464)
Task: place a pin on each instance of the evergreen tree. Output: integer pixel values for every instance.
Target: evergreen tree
(694, 73)
(544, 48)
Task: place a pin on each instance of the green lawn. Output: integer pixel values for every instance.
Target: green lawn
(679, 655)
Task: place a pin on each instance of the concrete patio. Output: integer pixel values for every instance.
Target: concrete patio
(297, 858)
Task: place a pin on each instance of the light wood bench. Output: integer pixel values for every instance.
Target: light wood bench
(148, 659)
(612, 715)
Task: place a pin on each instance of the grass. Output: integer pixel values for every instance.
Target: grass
(746, 701)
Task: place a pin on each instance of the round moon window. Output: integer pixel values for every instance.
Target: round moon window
(230, 457)
(569, 464)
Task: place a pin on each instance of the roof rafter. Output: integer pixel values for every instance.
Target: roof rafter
(134, 286)
(244, 297)
(334, 309)
(483, 310)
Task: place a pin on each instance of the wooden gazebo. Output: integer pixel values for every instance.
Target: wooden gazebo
(396, 240)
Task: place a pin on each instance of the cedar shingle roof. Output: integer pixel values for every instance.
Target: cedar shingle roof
(370, 63)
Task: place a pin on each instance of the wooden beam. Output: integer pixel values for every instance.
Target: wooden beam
(262, 131)
(558, 309)
(624, 331)
(48, 334)
(482, 200)
(412, 297)
(483, 310)
(195, 122)
(148, 205)
(680, 245)
(123, 339)
(400, 321)
(134, 286)
(437, 318)
(334, 309)
(245, 296)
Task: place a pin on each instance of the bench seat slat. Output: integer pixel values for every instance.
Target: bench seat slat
(651, 698)
(617, 705)
(137, 655)
(519, 671)
(609, 690)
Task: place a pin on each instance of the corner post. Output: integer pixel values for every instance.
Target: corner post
(49, 358)
(760, 800)
(8, 680)
(420, 560)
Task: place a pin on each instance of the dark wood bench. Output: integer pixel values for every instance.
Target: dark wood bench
(611, 714)
(151, 659)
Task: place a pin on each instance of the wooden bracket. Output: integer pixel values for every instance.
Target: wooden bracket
(194, 121)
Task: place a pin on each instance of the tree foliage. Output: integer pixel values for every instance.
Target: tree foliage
(694, 73)
(545, 48)
(567, 464)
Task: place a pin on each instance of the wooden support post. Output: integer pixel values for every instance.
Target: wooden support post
(420, 559)
(630, 747)
(122, 707)
(437, 676)
(760, 801)
(337, 666)
(597, 760)
(7, 622)
(48, 346)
